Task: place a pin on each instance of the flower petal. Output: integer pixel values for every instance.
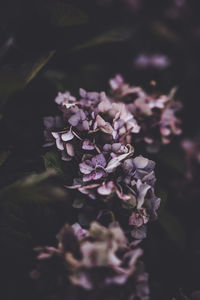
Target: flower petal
(99, 160)
(70, 149)
(59, 144)
(140, 162)
(88, 145)
(106, 189)
(67, 136)
(86, 167)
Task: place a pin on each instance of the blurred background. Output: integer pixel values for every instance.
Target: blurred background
(58, 45)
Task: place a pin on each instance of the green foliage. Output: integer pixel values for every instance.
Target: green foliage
(52, 161)
(111, 36)
(38, 66)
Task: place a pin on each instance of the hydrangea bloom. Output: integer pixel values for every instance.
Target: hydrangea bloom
(99, 259)
(155, 114)
(97, 134)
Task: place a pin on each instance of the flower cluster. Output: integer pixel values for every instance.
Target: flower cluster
(155, 114)
(98, 135)
(96, 261)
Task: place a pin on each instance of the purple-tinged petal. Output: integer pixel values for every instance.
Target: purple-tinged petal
(84, 125)
(99, 160)
(86, 167)
(107, 147)
(103, 125)
(88, 145)
(95, 175)
(82, 93)
(140, 162)
(106, 189)
(74, 119)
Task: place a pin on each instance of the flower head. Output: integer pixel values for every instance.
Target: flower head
(98, 258)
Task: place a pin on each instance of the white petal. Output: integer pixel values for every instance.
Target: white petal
(59, 144)
(67, 136)
(55, 135)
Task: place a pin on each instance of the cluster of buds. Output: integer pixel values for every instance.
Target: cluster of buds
(94, 262)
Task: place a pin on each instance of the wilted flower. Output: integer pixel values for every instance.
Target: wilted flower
(94, 260)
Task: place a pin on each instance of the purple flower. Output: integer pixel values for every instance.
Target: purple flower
(96, 258)
(93, 169)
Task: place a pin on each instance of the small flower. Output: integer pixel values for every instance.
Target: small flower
(65, 99)
(93, 169)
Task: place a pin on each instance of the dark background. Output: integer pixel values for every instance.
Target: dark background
(51, 46)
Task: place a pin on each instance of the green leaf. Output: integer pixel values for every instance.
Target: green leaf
(3, 156)
(38, 66)
(112, 36)
(13, 81)
(62, 14)
(52, 160)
